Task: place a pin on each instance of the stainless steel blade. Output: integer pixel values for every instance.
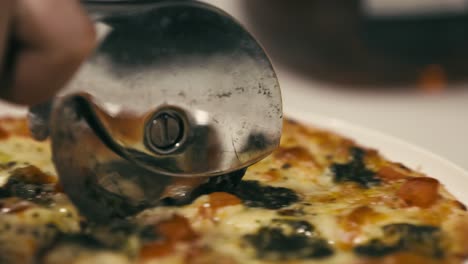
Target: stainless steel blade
(175, 89)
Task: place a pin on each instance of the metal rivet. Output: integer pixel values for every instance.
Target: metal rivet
(165, 130)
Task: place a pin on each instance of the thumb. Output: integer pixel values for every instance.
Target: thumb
(52, 38)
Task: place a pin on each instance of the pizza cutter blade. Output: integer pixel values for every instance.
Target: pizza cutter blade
(177, 95)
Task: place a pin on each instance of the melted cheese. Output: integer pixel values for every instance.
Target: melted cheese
(344, 214)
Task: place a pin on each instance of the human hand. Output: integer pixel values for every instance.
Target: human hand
(42, 43)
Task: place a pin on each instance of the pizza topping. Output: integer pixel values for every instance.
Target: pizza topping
(30, 184)
(418, 239)
(119, 207)
(81, 248)
(276, 243)
(222, 199)
(402, 257)
(360, 216)
(175, 229)
(343, 214)
(457, 234)
(222, 183)
(116, 236)
(205, 255)
(13, 205)
(3, 133)
(19, 243)
(355, 170)
(253, 194)
(354, 222)
(171, 231)
(75, 254)
(32, 174)
(216, 201)
(295, 226)
(295, 156)
(299, 211)
(271, 175)
(419, 191)
(389, 173)
(15, 126)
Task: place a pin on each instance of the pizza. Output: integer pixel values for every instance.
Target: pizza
(319, 198)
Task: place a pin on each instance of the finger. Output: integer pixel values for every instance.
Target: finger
(6, 9)
(55, 37)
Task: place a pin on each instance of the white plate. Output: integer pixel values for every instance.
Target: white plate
(449, 174)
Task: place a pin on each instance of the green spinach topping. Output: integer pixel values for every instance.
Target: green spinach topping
(288, 240)
(419, 239)
(355, 170)
(20, 186)
(253, 194)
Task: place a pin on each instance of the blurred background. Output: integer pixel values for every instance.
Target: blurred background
(398, 66)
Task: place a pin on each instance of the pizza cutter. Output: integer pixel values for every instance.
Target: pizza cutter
(177, 99)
